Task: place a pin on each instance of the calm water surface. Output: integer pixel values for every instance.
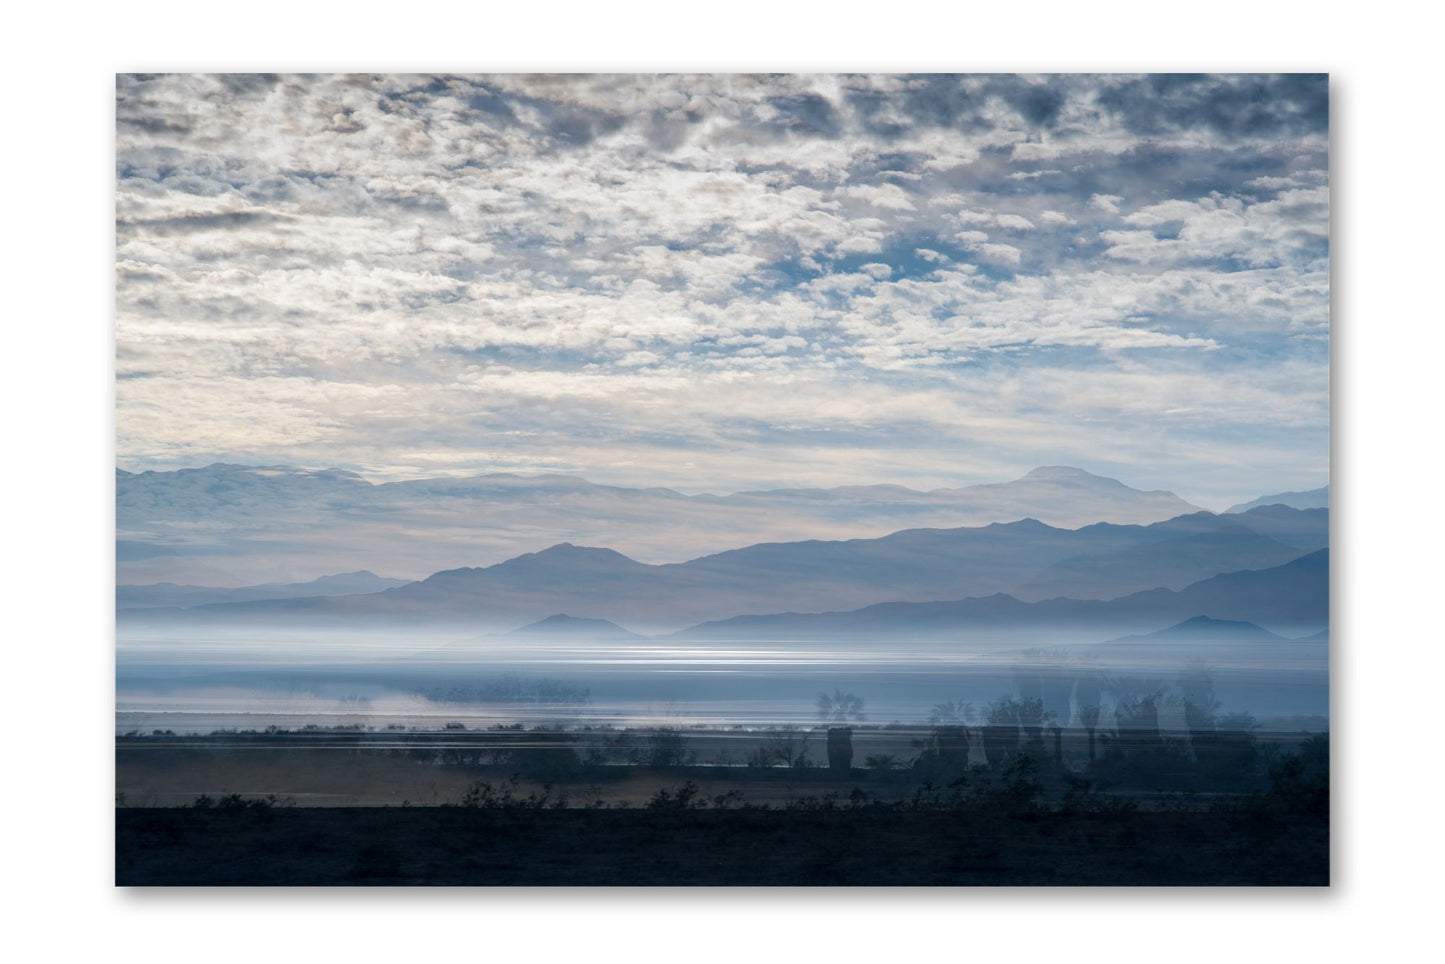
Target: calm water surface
(199, 683)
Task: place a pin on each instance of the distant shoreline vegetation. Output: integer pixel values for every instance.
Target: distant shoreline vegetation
(511, 688)
(1230, 809)
(1226, 755)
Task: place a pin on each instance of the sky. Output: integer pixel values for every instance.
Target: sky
(724, 282)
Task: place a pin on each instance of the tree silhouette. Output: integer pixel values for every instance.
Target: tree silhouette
(1033, 718)
(1136, 711)
(1196, 686)
(953, 712)
(1089, 701)
(841, 707)
(1001, 732)
(837, 710)
(1089, 718)
(786, 745)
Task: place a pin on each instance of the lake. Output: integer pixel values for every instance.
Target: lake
(197, 683)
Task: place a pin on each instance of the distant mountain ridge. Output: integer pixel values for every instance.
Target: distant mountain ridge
(563, 626)
(1027, 560)
(167, 594)
(216, 524)
(1294, 595)
(1205, 628)
(1313, 499)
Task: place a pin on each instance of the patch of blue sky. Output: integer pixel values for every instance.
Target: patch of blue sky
(902, 254)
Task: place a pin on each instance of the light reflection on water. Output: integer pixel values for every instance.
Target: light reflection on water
(202, 683)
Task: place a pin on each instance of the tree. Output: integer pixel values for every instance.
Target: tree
(1196, 686)
(840, 748)
(836, 710)
(952, 713)
(1089, 719)
(1136, 711)
(1001, 731)
(1089, 698)
(1033, 717)
(785, 745)
(945, 751)
(840, 708)
(665, 748)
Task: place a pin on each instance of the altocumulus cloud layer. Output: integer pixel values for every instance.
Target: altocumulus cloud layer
(717, 282)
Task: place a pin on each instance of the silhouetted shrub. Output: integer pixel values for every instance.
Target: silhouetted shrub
(234, 801)
(1083, 796)
(684, 798)
(1000, 744)
(485, 796)
(665, 748)
(1299, 782)
(784, 746)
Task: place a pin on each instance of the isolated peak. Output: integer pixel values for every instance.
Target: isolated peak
(1057, 473)
(568, 548)
(566, 552)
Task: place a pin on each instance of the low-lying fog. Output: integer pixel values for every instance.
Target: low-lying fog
(197, 684)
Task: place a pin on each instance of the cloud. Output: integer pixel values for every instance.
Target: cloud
(1108, 203)
(597, 271)
(1231, 106)
(887, 196)
(1001, 252)
(1292, 227)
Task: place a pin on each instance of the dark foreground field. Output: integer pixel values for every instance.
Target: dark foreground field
(462, 846)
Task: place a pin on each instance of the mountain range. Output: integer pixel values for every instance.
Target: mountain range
(170, 594)
(237, 525)
(564, 627)
(1025, 562)
(1294, 597)
(1203, 628)
(1313, 499)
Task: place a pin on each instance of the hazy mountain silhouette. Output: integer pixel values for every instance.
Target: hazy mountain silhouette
(1313, 499)
(563, 626)
(167, 594)
(1295, 594)
(1203, 628)
(219, 523)
(1172, 555)
(1305, 529)
(1027, 558)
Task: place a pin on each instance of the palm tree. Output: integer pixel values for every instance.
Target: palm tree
(840, 707)
(1136, 707)
(1033, 717)
(952, 713)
